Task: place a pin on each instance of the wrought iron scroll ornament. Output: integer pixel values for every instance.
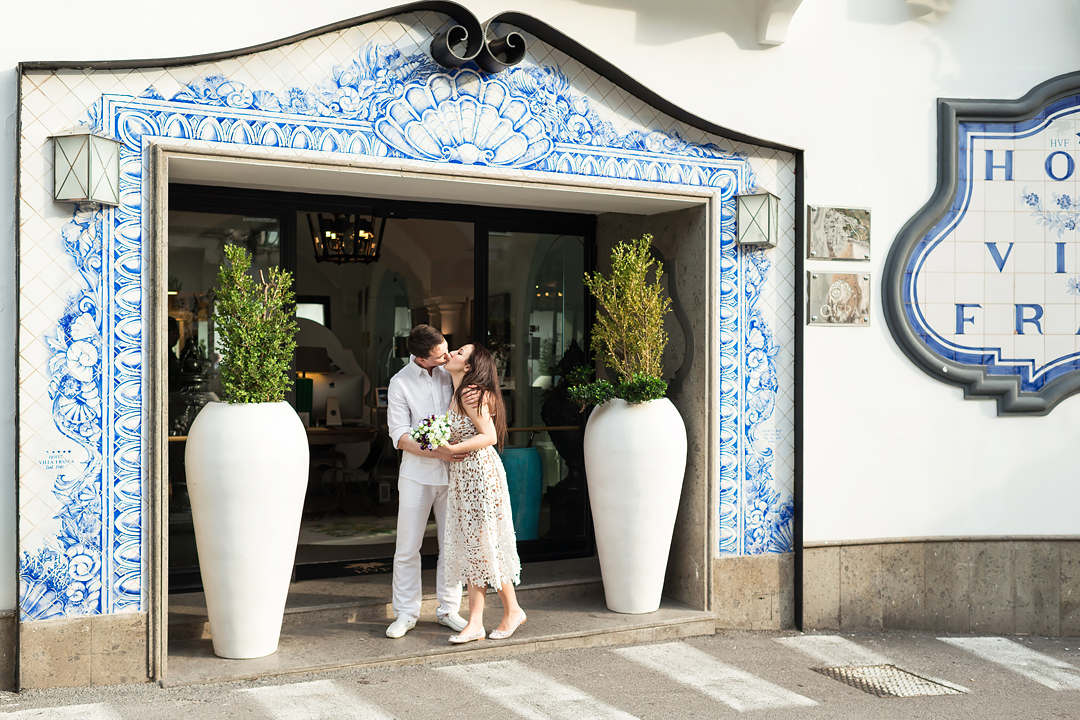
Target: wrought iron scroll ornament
(469, 40)
(985, 368)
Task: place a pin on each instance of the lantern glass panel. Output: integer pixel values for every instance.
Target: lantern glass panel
(104, 170)
(71, 167)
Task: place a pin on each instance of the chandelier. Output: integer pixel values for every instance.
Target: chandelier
(345, 237)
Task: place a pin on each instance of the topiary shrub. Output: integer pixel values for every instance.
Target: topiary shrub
(629, 335)
(255, 325)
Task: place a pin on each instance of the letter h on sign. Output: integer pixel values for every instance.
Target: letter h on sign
(991, 166)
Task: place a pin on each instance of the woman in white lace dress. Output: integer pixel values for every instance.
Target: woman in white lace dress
(480, 547)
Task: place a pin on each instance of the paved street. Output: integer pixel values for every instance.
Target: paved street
(727, 675)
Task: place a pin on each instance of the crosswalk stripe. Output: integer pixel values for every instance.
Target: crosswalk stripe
(833, 650)
(735, 688)
(96, 711)
(316, 700)
(532, 694)
(1043, 669)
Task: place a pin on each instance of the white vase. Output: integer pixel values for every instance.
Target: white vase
(635, 457)
(247, 469)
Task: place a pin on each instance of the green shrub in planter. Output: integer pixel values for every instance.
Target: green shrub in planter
(629, 335)
(256, 330)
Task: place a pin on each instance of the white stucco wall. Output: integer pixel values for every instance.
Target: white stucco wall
(888, 451)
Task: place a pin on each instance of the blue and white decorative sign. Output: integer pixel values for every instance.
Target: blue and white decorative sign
(983, 284)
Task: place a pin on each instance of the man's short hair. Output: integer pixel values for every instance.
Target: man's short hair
(422, 339)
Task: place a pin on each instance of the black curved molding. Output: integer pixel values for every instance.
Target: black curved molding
(499, 48)
(976, 383)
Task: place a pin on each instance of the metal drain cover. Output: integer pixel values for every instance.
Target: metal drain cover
(887, 681)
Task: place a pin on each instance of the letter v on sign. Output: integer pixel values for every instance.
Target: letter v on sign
(996, 254)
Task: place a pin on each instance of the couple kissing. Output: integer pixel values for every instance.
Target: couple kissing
(463, 481)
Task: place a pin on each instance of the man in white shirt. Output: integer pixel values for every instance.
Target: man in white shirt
(421, 388)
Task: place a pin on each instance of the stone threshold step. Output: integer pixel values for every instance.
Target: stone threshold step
(191, 623)
(194, 664)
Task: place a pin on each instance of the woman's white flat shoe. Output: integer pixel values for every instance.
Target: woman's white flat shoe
(462, 638)
(503, 634)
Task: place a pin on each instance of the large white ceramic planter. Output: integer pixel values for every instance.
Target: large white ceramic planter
(635, 457)
(247, 467)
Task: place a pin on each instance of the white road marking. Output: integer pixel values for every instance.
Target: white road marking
(833, 650)
(734, 687)
(96, 711)
(1043, 669)
(317, 700)
(532, 694)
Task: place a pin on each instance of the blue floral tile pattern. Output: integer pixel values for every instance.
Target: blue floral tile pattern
(384, 103)
(1060, 217)
(767, 520)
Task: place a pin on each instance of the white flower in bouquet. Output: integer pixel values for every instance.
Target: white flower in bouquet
(432, 432)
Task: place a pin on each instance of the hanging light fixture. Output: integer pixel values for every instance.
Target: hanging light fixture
(345, 237)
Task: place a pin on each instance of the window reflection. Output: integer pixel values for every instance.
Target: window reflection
(196, 250)
(536, 327)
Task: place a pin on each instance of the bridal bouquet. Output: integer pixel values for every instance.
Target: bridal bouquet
(432, 432)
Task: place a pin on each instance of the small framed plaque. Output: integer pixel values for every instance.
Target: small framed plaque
(838, 298)
(838, 233)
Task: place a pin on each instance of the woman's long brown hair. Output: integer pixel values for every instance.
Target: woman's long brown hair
(484, 374)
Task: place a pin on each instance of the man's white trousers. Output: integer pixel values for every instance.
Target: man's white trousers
(415, 502)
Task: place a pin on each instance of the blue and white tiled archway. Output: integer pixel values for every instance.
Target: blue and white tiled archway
(387, 100)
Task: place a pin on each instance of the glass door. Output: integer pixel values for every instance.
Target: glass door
(356, 318)
(536, 326)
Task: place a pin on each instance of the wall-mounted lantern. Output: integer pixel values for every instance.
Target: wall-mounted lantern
(86, 168)
(757, 219)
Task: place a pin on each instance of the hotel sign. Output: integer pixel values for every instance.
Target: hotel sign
(982, 286)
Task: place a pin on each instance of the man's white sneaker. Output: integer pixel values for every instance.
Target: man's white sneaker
(452, 620)
(400, 626)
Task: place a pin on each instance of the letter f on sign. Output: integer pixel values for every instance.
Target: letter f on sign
(961, 316)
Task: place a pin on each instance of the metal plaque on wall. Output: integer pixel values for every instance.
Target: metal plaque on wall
(838, 233)
(982, 285)
(838, 298)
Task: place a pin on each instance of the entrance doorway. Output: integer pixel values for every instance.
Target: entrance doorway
(338, 618)
(509, 278)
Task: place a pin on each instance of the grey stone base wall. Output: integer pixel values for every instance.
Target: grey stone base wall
(754, 592)
(77, 652)
(7, 651)
(998, 586)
